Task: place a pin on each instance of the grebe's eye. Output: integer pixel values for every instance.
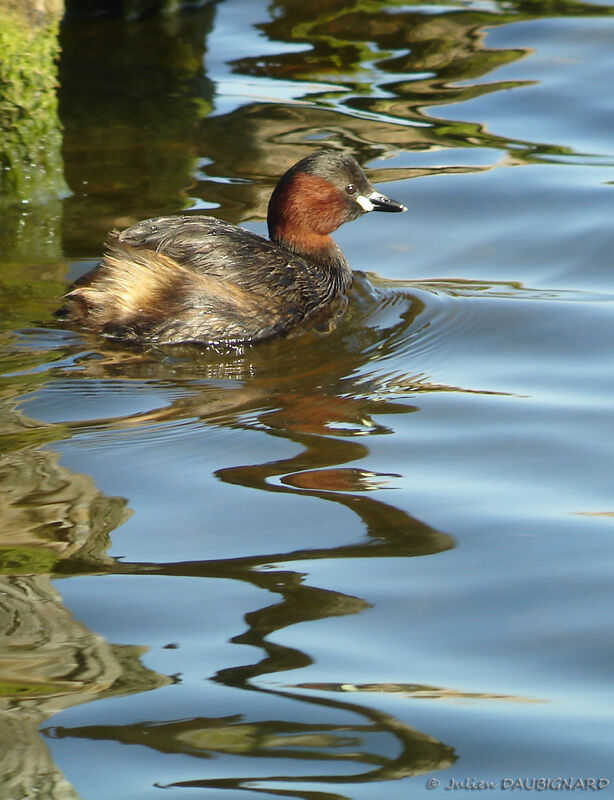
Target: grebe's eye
(351, 189)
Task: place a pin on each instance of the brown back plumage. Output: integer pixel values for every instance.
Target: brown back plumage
(177, 279)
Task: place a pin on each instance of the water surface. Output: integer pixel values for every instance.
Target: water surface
(382, 555)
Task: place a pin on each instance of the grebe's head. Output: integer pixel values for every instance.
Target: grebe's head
(317, 195)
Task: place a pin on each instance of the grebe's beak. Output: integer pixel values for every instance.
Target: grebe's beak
(378, 202)
(382, 203)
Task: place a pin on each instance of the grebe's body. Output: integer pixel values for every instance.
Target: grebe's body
(196, 279)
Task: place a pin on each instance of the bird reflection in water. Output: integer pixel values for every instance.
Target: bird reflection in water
(324, 394)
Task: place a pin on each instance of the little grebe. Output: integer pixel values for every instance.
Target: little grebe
(196, 279)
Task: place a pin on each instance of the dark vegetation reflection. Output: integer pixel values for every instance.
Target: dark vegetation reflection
(141, 136)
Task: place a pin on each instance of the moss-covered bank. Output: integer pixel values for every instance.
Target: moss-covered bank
(31, 169)
(30, 149)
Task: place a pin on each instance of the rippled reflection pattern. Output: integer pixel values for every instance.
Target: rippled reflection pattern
(376, 554)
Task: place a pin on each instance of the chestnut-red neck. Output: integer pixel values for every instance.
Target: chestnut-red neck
(303, 211)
